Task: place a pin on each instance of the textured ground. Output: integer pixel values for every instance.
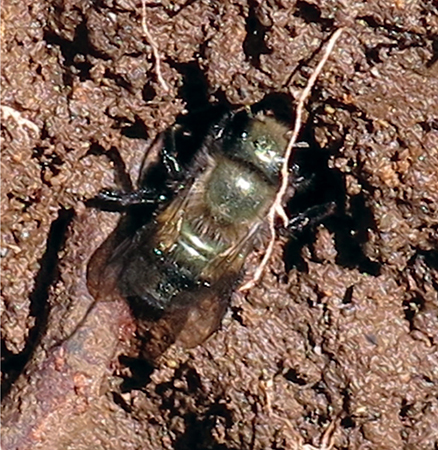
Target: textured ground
(340, 350)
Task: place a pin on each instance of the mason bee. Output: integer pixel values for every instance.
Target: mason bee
(177, 270)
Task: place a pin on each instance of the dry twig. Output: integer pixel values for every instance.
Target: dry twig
(154, 46)
(277, 207)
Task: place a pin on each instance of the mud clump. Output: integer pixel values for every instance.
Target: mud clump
(337, 345)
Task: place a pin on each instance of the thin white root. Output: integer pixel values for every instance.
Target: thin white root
(154, 47)
(277, 209)
(21, 121)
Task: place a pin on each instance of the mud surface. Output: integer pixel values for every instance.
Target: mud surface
(337, 346)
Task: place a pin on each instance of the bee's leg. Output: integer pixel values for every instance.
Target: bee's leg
(173, 167)
(310, 217)
(119, 200)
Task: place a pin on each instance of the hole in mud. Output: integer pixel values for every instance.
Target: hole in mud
(120, 401)
(236, 314)
(141, 371)
(74, 52)
(293, 376)
(348, 422)
(411, 308)
(254, 44)
(348, 295)
(405, 409)
(137, 130)
(312, 14)
(148, 92)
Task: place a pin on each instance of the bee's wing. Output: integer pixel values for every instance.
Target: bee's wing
(108, 261)
(190, 320)
(101, 281)
(206, 314)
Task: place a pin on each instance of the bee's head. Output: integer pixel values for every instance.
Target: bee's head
(259, 141)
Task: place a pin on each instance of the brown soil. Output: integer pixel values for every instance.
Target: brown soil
(339, 352)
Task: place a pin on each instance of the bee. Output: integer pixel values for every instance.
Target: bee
(178, 269)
